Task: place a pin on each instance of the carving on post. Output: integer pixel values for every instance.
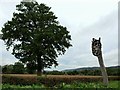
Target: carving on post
(96, 50)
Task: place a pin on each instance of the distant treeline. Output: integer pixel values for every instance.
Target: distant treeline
(97, 72)
(19, 68)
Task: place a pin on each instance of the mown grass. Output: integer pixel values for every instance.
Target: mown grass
(114, 84)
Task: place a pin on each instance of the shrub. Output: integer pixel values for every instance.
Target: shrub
(51, 80)
(19, 80)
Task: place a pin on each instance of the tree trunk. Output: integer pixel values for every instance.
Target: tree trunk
(39, 66)
(103, 70)
(39, 71)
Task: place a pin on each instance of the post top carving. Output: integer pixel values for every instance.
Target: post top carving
(96, 46)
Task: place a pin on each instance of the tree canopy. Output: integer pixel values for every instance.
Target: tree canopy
(35, 35)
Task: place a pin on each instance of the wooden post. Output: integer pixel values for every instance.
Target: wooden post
(0, 36)
(96, 50)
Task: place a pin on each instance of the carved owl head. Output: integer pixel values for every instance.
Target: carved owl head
(96, 47)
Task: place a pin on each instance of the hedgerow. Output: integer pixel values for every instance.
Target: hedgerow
(50, 81)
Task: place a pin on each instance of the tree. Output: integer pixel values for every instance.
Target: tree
(36, 35)
(7, 69)
(31, 67)
(18, 68)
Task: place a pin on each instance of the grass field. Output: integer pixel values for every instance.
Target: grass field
(112, 84)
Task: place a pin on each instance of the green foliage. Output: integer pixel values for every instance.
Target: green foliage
(113, 85)
(50, 81)
(89, 85)
(36, 35)
(31, 67)
(54, 72)
(7, 69)
(73, 72)
(18, 68)
(8, 86)
(112, 71)
(18, 80)
(80, 85)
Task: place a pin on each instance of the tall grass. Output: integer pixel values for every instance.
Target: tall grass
(112, 84)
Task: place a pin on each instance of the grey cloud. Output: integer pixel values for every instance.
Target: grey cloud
(5, 56)
(80, 54)
(111, 58)
(106, 28)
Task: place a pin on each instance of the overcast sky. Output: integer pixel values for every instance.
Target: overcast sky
(84, 19)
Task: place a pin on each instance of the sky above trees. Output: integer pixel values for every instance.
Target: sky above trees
(84, 19)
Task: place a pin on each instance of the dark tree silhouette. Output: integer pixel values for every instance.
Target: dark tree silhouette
(36, 35)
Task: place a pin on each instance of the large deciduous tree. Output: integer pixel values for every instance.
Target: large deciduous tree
(35, 35)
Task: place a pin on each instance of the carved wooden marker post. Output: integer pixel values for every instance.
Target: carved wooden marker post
(0, 36)
(96, 50)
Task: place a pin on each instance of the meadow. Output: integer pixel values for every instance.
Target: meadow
(112, 84)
